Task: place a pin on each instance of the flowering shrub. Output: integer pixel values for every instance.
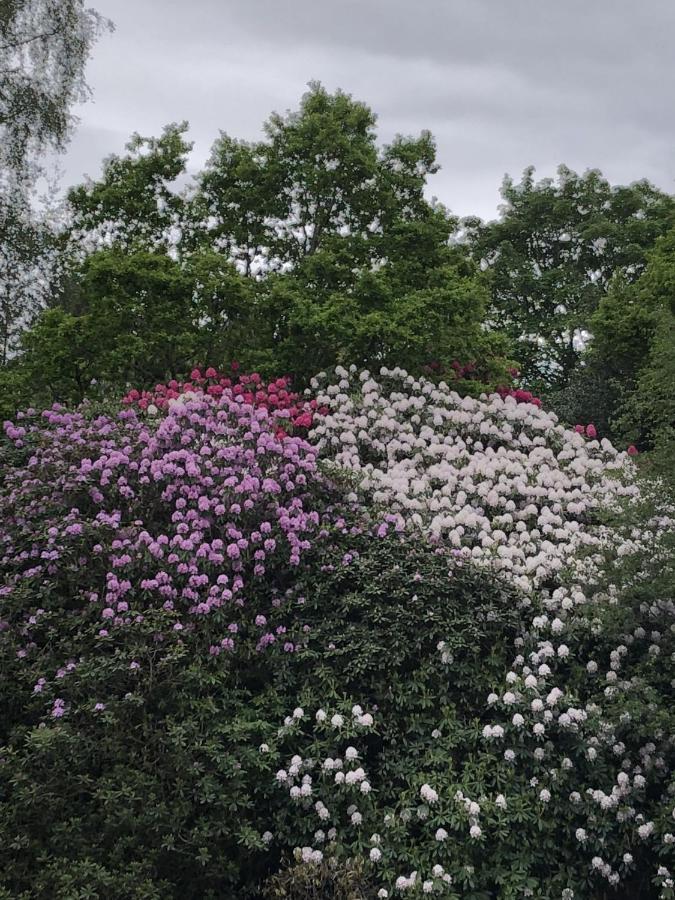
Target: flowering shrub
(139, 561)
(502, 480)
(276, 395)
(511, 758)
(172, 523)
(224, 677)
(351, 748)
(519, 395)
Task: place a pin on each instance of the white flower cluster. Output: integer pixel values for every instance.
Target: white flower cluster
(342, 772)
(501, 481)
(472, 809)
(428, 794)
(546, 713)
(331, 776)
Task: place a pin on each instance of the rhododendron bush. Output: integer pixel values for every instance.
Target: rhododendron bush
(501, 479)
(142, 558)
(426, 649)
(541, 767)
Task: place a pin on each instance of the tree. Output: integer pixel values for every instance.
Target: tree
(354, 263)
(44, 47)
(317, 182)
(134, 206)
(325, 314)
(136, 318)
(129, 318)
(552, 255)
(625, 384)
(649, 413)
(25, 264)
(634, 339)
(310, 247)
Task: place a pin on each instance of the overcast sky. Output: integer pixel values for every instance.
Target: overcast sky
(500, 83)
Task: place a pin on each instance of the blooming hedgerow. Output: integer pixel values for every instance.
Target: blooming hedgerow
(567, 797)
(145, 569)
(137, 523)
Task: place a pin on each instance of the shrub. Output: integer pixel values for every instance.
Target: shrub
(291, 412)
(527, 752)
(500, 479)
(218, 662)
(140, 560)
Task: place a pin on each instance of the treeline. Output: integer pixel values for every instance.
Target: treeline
(316, 246)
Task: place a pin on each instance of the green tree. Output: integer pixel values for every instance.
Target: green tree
(135, 318)
(25, 264)
(129, 318)
(324, 314)
(354, 264)
(318, 181)
(552, 255)
(310, 247)
(634, 345)
(625, 384)
(44, 47)
(135, 204)
(649, 413)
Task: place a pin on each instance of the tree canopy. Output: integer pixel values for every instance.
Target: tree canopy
(44, 47)
(552, 254)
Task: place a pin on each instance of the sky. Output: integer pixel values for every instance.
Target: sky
(501, 84)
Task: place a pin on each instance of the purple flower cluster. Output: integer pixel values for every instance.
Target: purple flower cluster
(113, 522)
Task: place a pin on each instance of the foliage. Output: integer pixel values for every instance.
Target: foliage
(317, 182)
(648, 413)
(552, 255)
(626, 383)
(44, 46)
(129, 318)
(312, 881)
(26, 267)
(311, 247)
(134, 205)
(557, 785)
(15, 391)
(370, 276)
(374, 321)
